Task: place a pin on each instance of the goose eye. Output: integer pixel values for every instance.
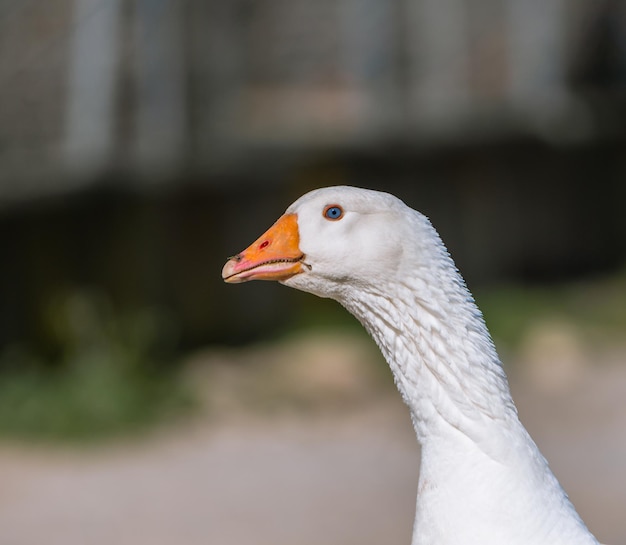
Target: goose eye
(333, 212)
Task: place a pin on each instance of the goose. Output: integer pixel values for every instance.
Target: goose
(482, 479)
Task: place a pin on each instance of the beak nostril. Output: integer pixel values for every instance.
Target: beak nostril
(264, 244)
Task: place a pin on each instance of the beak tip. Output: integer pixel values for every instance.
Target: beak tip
(228, 270)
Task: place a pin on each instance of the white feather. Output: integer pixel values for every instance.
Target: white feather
(482, 479)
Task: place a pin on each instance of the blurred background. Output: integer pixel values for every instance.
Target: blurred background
(143, 141)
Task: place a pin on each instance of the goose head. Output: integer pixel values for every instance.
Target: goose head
(332, 240)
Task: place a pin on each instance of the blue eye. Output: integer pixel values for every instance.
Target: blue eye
(333, 212)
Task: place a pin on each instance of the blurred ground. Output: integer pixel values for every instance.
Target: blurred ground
(325, 455)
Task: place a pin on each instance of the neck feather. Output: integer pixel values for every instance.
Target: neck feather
(443, 360)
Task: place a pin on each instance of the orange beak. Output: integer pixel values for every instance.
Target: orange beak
(275, 255)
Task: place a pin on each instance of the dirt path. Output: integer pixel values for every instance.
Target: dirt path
(349, 480)
(345, 477)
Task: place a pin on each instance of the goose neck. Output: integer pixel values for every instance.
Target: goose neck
(441, 355)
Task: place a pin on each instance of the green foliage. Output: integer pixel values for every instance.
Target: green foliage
(108, 378)
(596, 307)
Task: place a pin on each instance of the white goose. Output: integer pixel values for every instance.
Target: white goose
(482, 480)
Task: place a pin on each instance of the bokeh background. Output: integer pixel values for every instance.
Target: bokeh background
(143, 141)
